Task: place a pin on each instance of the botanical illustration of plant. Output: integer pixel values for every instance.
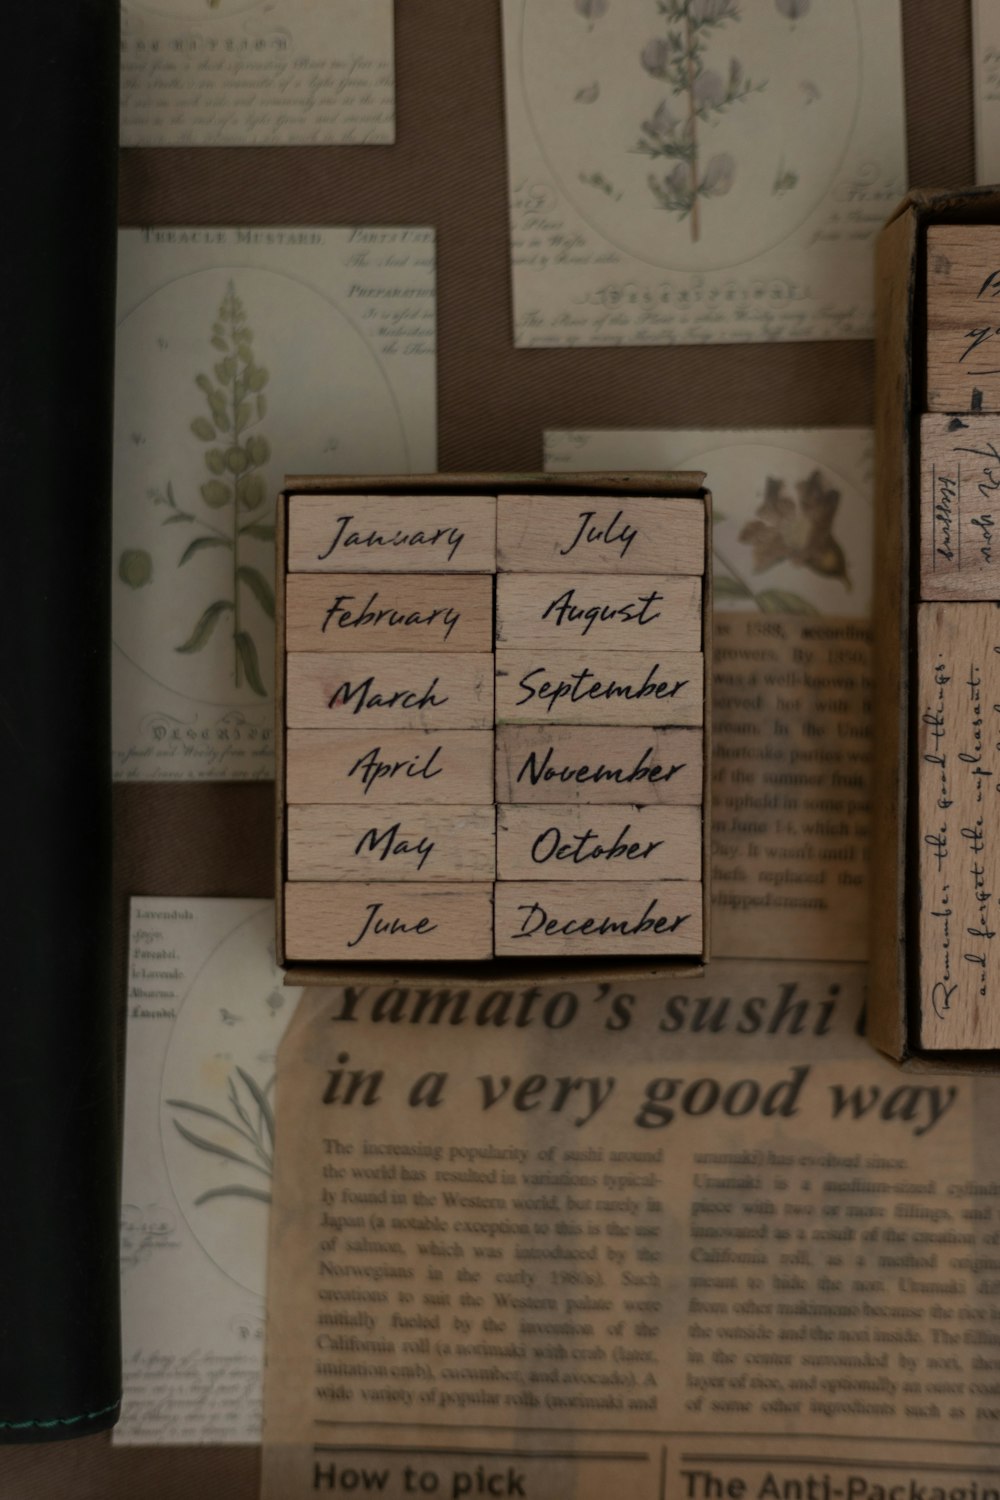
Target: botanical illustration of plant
(786, 530)
(233, 494)
(591, 10)
(251, 1129)
(677, 58)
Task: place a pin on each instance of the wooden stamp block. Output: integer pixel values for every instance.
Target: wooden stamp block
(958, 822)
(629, 612)
(405, 923)
(400, 843)
(600, 687)
(415, 690)
(555, 918)
(599, 534)
(388, 612)
(963, 317)
(960, 507)
(391, 534)
(599, 843)
(538, 764)
(390, 769)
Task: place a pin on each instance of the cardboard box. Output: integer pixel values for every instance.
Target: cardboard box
(900, 401)
(496, 970)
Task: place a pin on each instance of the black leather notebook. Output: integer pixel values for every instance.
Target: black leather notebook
(59, 1345)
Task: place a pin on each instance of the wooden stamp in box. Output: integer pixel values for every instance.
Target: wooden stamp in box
(643, 776)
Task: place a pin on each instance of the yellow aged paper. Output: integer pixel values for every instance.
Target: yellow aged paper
(792, 689)
(691, 1239)
(250, 73)
(700, 171)
(243, 355)
(206, 1009)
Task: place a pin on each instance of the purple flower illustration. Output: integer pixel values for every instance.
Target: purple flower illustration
(708, 89)
(718, 176)
(591, 10)
(677, 59)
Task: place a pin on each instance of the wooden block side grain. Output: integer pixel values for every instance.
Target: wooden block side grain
(963, 317)
(424, 844)
(960, 507)
(412, 690)
(389, 612)
(561, 764)
(599, 687)
(616, 843)
(958, 824)
(391, 533)
(633, 612)
(392, 768)
(600, 534)
(401, 922)
(610, 918)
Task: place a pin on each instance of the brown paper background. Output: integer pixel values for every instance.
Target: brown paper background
(448, 169)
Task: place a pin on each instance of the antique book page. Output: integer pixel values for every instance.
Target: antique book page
(792, 544)
(986, 79)
(206, 1010)
(244, 355)
(699, 171)
(250, 73)
(689, 1239)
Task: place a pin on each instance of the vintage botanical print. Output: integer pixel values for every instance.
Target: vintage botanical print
(244, 355)
(699, 171)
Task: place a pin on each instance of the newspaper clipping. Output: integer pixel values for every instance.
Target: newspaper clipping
(691, 1238)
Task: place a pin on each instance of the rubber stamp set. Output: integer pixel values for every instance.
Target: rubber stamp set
(936, 950)
(492, 721)
(958, 643)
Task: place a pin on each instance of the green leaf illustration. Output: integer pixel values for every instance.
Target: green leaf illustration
(258, 378)
(252, 492)
(215, 460)
(263, 1105)
(727, 587)
(247, 652)
(199, 545)
(252, 1122)
(258, 450)
(217, 1150)
(216, 494)
(262, 530)
(259, 587)
(212, 1114)
(203, 630)
(236, 459)
(202, 428)
(235, 1191)
(135, 567)
(782, 602)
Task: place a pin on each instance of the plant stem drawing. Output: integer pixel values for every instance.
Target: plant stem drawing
(678, 58)
(252, 1126)
(235, 457)
(786, 530)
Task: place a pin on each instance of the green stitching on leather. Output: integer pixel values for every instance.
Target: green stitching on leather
(86, 1416)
